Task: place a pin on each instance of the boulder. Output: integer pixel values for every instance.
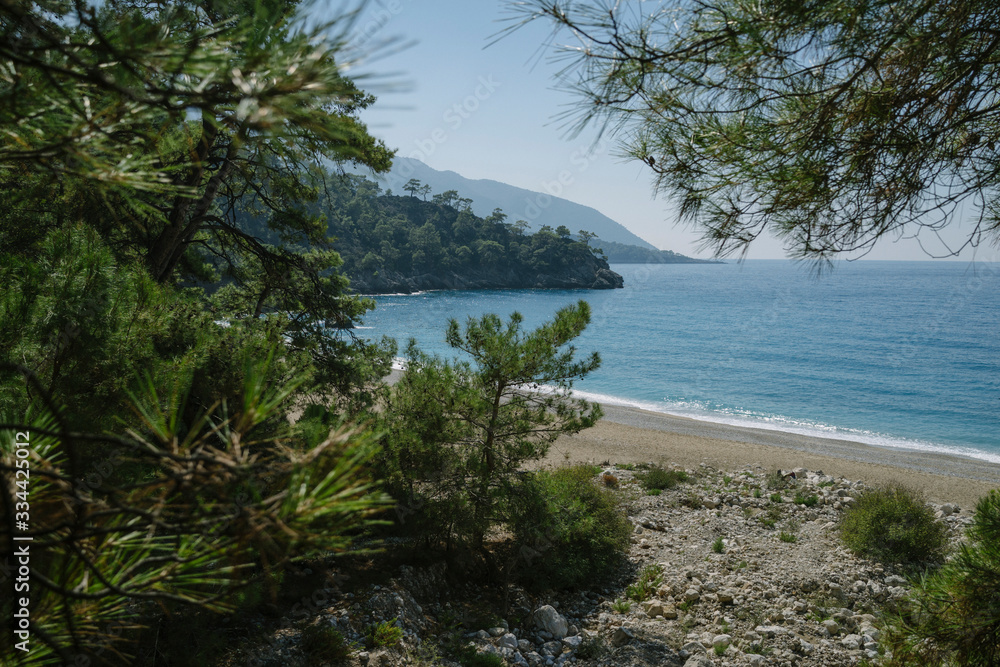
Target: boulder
(549, 620)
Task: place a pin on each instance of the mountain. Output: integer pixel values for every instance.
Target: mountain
(401, 243)
(620, 253)
(536, 208)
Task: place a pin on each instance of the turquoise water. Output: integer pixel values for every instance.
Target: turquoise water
(900, 354)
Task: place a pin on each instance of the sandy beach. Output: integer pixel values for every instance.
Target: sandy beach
(630, 435)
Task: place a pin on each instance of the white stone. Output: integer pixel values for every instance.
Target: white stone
(722, 641)
(549, 620)
(508, 641)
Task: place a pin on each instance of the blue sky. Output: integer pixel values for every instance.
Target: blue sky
(492, 112)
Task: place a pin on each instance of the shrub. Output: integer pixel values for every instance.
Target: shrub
(609, 480)
(952, 615)
(785, 536)
(325, 644)
(384, 634)
(578, 526)
(894, 525)
(776, 480)
(658, 478)
(802, 499)
(649, 580)
(622, 605)
(776, 498)
(717, 545)
(471, 658)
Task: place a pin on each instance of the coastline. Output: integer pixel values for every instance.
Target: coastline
(632, 435)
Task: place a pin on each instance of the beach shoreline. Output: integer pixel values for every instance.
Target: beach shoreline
(633, 435)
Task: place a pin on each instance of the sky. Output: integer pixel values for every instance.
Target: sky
(450, 98)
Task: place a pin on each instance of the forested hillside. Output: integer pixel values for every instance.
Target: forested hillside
(622, 253)
(392, 243)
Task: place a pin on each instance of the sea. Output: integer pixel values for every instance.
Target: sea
(894, 354)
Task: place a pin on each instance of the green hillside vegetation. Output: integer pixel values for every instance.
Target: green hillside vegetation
(183, 404)
(538, 208)
(621, 253)
(385, 239)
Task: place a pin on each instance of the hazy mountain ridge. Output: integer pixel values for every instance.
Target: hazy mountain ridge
(536, 208)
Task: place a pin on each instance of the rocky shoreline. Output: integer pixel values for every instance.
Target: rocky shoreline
(595, 274)
(735, 573)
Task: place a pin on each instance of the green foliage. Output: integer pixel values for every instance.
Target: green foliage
(785, 536)
(622, 605)
(323, 643)
(569, 530)
(384, 634)
(770, 517)
(796, 120)
(717, 545)
(719, 650)
(952, 615)
(645, 586)
(472, 658)
(777, 498)
(458, 432)
(776, 480)
(384, 239)
(893, 524)
(757, 492)
(218, 498)
(661, 479)
(802, 499)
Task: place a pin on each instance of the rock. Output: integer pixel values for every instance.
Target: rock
(549, 620)
(831, 626)
(653, 607)
(621, 637)
(755, 660)
(698, 661)
(552, 648)
(691, 595)
(572, 643)
(508, 641)
(496, 632)
(693, 647)
(721, 642)
(851, 642)
(947, 509)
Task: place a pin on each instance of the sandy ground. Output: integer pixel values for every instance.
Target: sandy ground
(629, 435)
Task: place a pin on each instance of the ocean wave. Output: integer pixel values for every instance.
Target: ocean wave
(769, 422)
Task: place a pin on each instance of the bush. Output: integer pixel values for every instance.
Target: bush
(894, 525)
(470, 658)
(325, 644)
(568, 529)
(809, 501)
(658, 478)
(649, 580)
(384, 634)
(952, 616)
